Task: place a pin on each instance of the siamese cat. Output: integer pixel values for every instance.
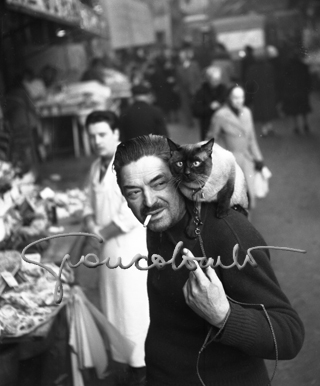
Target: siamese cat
(206, 172)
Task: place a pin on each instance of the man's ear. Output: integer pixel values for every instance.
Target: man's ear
(173, 146)
(208, 146)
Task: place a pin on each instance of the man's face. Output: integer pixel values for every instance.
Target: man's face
(148, 188)
(103, 139)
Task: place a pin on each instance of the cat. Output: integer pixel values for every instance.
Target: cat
(206, 172)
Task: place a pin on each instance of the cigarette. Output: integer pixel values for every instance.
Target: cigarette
(146, 221)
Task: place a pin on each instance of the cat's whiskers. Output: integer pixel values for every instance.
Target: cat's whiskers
(175, 182)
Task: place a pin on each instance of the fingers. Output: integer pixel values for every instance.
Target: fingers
(202, 275)
(192, 264)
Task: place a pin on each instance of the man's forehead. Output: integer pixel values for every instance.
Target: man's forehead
(144, 170)
(101, 127)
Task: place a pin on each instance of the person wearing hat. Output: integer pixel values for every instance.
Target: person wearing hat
(142, 117)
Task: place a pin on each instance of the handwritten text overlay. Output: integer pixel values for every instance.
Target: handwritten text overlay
(157, 260)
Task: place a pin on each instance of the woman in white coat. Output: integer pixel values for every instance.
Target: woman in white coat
(233, 128)
(123, 292)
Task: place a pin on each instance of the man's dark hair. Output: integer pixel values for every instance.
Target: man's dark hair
(103, 116)
(138, 147)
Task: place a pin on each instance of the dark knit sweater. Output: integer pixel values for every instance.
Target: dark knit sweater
(177, 333)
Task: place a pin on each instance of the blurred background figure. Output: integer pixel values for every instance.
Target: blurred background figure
(161, 74)
(23, 122)
(208, 98)
(296, 88)
(247, 60)
(123, 292)
(188, 81)
(259, 84)
(49, 76)
(141, 117)
(233, 128)
(222, 60)
(94, 71)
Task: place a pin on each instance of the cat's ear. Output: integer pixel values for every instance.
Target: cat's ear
(173, 146)
(208, 146)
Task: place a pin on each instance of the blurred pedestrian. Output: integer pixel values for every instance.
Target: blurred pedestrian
(208, 99)
(123, 292)
(162, 78)
(259, 83)
(233, 128)
(141, 117)
(222, 61)
(188, 80)
(94, 71)
(296, 87)
(24, 123)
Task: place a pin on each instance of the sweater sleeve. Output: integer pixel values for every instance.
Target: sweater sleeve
(250, 289)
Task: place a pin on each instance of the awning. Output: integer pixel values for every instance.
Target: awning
(130, 23)
(71, 12)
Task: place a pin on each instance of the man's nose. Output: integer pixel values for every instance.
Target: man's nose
(149, 199)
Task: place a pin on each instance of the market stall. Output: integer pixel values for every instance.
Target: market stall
(32, 324)
(77, 100)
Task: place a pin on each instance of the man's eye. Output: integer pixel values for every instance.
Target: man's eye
(196, 164)
(160, 185)
(133, 193)
(179, 164)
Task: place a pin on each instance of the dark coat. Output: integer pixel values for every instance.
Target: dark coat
(296, 85)
(261, 90)
(201, 104)
(142, 118)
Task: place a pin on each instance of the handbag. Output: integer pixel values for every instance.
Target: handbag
(261, 182)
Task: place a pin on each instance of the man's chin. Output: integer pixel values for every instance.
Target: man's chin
(157, 227)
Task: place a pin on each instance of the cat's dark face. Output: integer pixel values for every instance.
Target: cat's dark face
(191, 164)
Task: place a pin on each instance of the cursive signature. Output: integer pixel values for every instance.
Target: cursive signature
(156, 260)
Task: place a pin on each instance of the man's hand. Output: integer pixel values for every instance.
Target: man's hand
(205, 294)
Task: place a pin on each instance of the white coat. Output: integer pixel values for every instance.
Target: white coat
(123, 292)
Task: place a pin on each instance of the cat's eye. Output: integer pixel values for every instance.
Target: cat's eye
(196, 164)
(179, 164)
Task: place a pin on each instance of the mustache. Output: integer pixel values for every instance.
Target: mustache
(147, 209)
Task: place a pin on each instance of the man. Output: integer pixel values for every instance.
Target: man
(207, 326)
(94, 71)
(189, 79)
(208, 98)
(142, 117)
(123, 292)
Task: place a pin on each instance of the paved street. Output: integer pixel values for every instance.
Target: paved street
(288, 217)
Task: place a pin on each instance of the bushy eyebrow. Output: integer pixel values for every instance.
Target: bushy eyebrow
(153, 180)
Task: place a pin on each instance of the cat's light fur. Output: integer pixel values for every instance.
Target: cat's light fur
(224, 166)
(225, 176)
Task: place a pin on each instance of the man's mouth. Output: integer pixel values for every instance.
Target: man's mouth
(154, 212)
